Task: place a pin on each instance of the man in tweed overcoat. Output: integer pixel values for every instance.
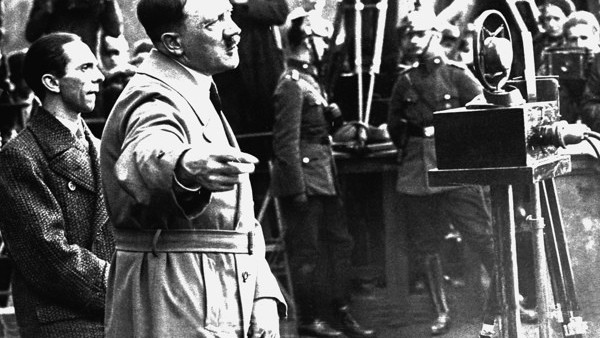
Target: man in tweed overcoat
(52, 212)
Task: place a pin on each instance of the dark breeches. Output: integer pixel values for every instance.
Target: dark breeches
(319, 247)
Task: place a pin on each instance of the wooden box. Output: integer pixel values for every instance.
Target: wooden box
(497, 137)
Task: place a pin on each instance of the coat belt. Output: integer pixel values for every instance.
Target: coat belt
(184, 240)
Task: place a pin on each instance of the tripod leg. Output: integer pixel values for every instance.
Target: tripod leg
(555, 266)
(505, 248)
(573, 325)
(536, 223)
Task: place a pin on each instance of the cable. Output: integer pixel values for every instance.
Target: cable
(593, 146)
(592, 134)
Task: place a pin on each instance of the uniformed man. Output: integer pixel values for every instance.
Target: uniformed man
(304, 180)
(434, 83)
(584, 31)
(581, 34)
(553, 14)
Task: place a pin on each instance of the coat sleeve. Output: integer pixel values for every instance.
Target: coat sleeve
(33, 227)
(267, 12)
(288, 100)
(155, 138)
(397, 123)
(469, 87)
(266, 283)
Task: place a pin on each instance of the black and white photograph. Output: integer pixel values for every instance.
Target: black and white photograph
(299, 168)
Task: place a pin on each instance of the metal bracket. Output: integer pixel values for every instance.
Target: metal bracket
(557, 314)
(575, 326)
(532, 224)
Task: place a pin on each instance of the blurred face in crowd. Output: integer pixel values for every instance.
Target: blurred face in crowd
(314, 47)
(582, 36)
(209, 37)
(81, 83)
(310, 5)
(466, 48)
(553, 19)
(417, 42)
(449, 45)
(114, 52)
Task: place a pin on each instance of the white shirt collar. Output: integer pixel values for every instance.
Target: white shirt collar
(73, 126)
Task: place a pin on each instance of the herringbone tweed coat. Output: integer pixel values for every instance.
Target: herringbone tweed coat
(54, 222)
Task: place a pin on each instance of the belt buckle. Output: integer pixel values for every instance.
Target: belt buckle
(428, 131)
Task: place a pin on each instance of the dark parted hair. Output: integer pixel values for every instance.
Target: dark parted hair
(566, 6)
(160, 16)
(46, 55)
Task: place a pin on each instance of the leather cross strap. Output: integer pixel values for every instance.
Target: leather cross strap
(184, 240)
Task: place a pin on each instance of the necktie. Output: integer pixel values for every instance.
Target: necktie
(81, 139)
(215, 99)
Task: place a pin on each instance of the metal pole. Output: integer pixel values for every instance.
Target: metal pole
(541, 270)
(358, 61)
(505, 247)
(376, 63)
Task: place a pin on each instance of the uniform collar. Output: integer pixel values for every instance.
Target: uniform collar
(302, 66)
(433, 62)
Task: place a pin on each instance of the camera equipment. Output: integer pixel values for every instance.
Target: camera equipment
(568, 63)
(510, 136)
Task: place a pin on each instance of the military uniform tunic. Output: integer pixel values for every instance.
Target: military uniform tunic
(317, 236)
(303, 158)
(420, 90)
(436, 84)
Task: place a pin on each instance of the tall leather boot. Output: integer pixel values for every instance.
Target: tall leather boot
(435, 281)
(350, 326)
(310, 321)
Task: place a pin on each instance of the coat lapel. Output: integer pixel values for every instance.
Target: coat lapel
(61, 150)
(177, 77)
(101, 214)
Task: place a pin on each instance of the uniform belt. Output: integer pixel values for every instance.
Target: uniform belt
(184, 240)
(316, 140)
(418, 131)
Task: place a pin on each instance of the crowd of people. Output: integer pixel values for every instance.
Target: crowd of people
(146, 227)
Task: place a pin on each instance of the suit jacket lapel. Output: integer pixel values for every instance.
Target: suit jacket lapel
(60, 148)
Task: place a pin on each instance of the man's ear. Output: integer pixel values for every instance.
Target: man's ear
(172, 43)
(51, 83)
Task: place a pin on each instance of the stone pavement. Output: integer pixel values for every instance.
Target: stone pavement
(376, 310)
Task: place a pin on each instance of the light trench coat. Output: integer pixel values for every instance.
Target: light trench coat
(158, 116)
